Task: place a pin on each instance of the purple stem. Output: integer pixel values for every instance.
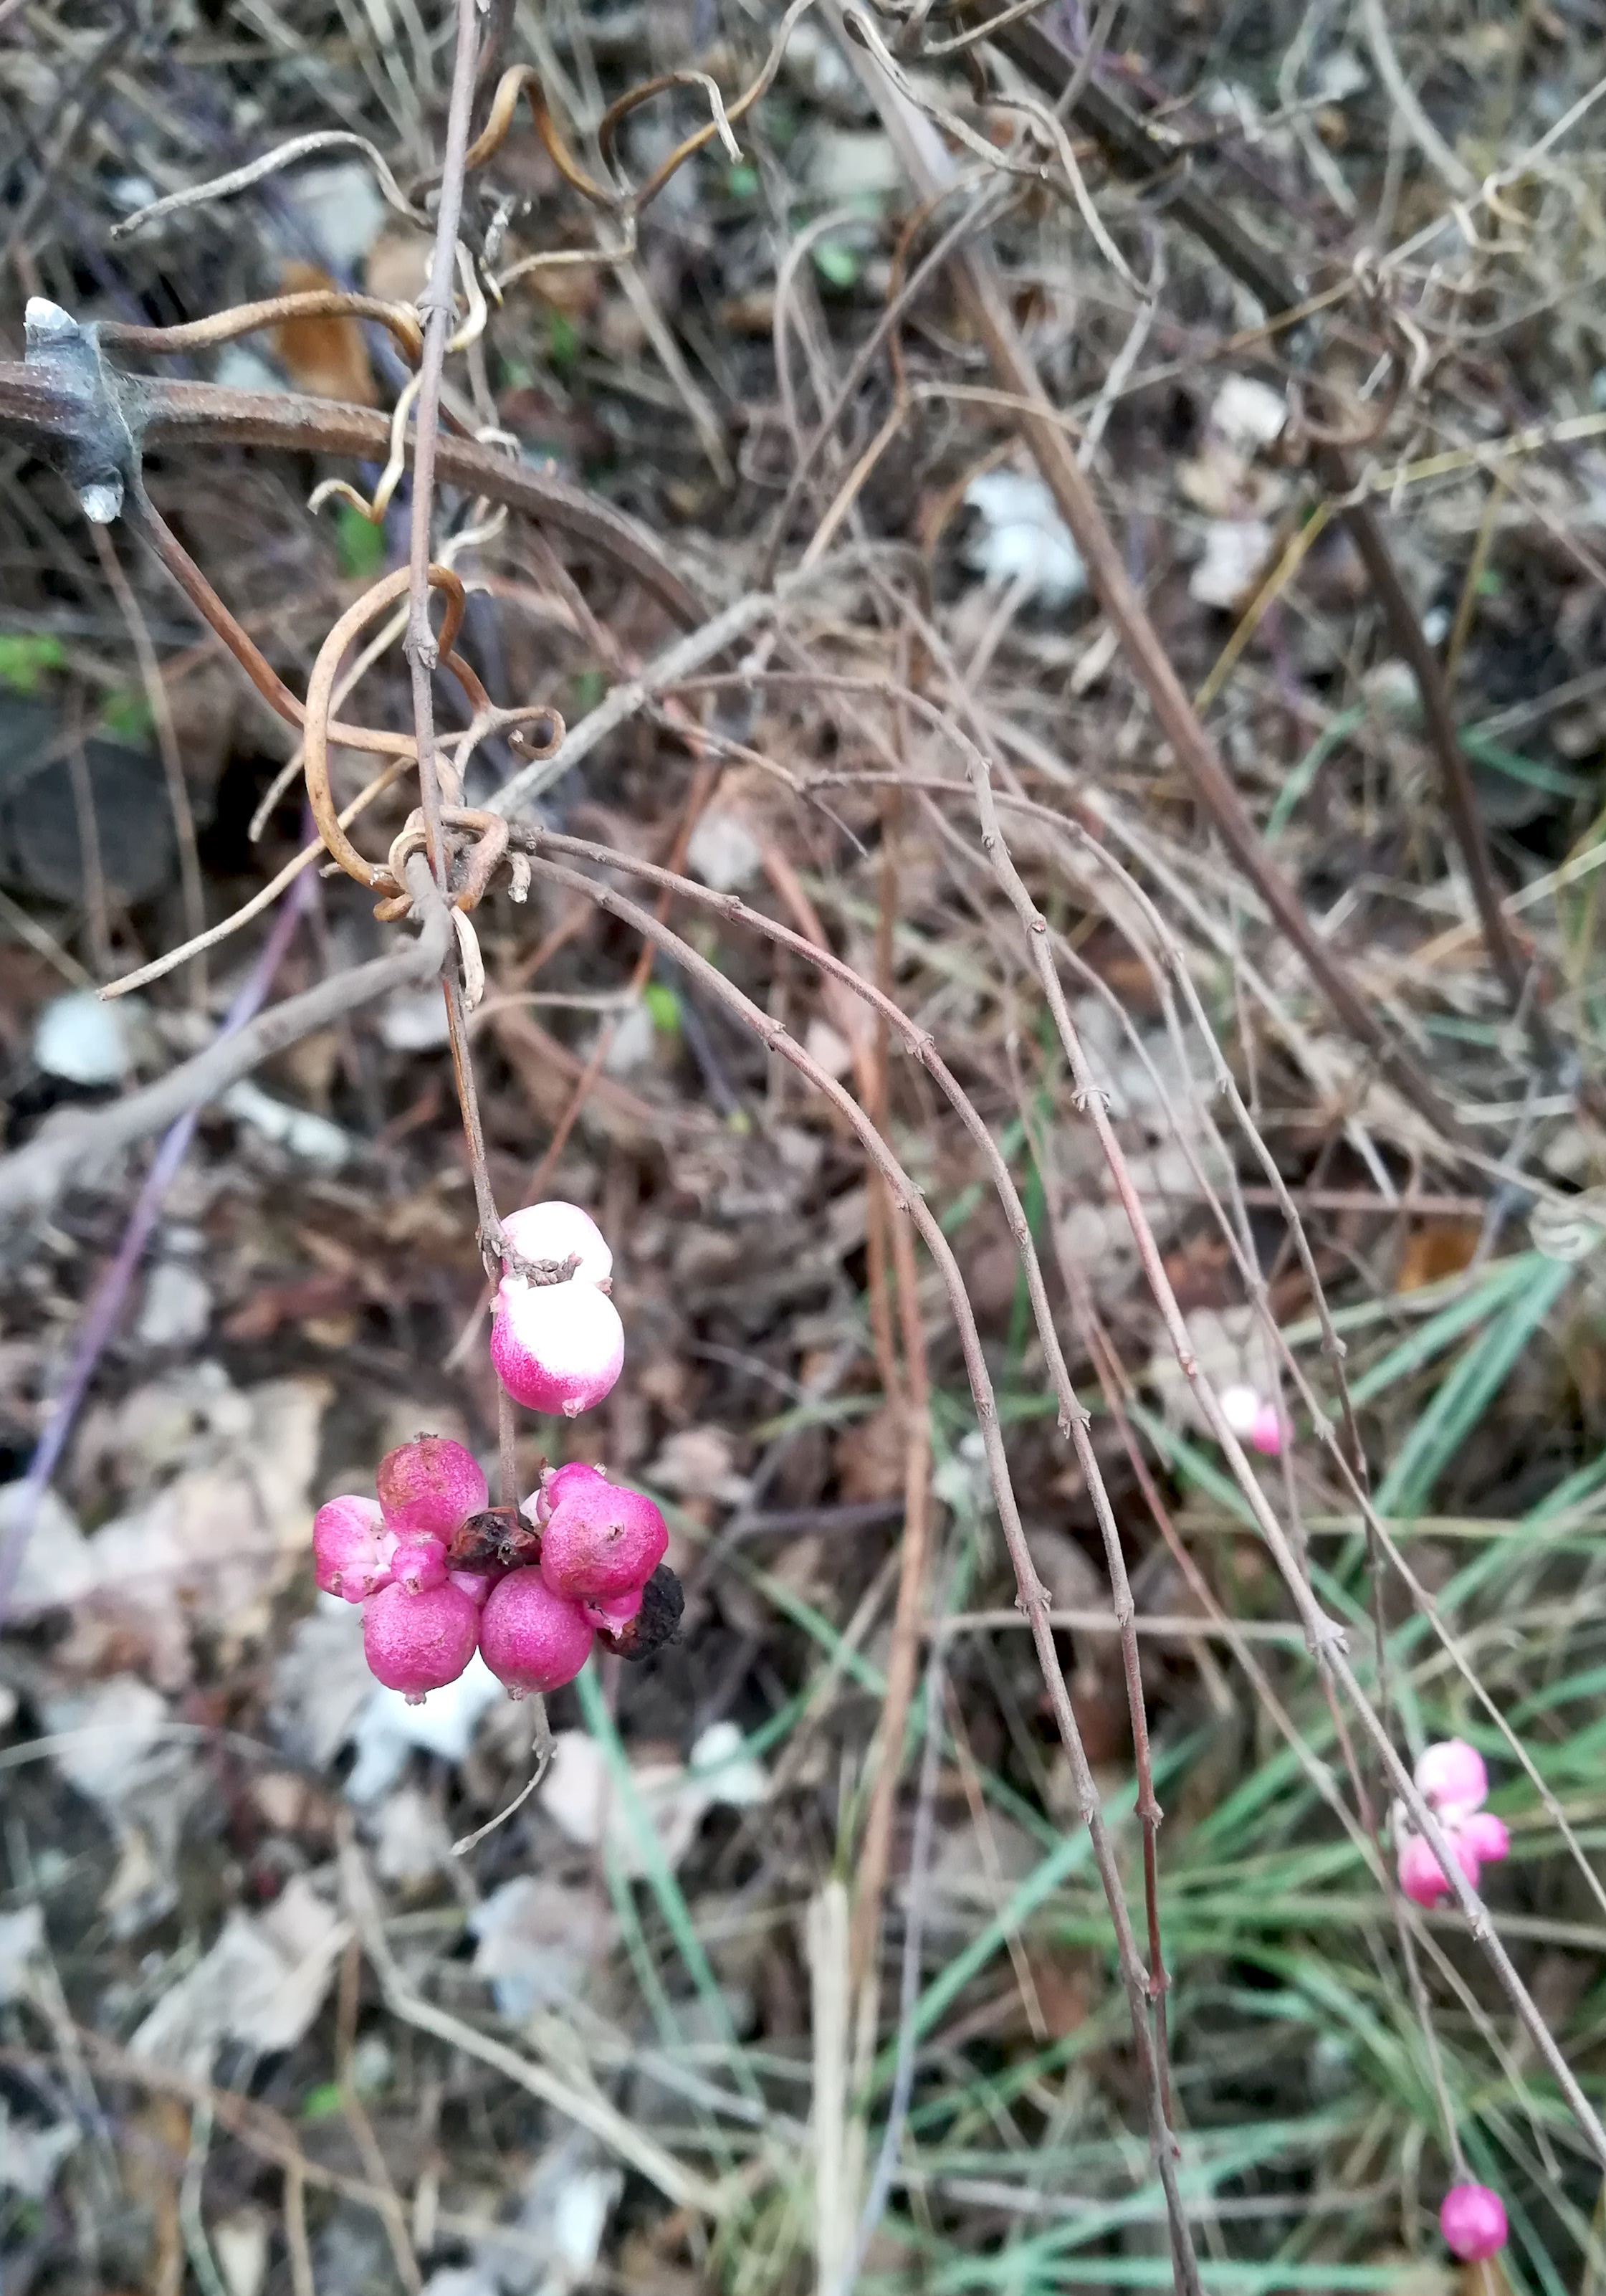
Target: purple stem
(105, 1307)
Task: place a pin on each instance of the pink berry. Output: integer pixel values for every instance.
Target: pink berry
(558, 1483)
(530, 1637)
(556, 1347)
(429, 1485)
(1421, 1874)
(477, 1584)
(348, 1558)
(602, 1541)
(1265, 1431)
(608, 1613)
(417, 1643)
(1451, 1775)
(1472, 2220)
(419, 1562)
(1485, 1836)
(557, 1230)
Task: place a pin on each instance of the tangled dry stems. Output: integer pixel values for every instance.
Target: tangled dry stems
(466, 846)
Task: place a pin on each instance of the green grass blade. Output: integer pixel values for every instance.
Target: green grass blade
(1468, 1389)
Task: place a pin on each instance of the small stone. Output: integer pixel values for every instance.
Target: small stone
(81, 1040)
(102, 500)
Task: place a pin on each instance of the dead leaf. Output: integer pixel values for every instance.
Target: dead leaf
(1073, 1579)
(870, 1458)
(1436, 1251)
(31, 2157)
(262, 1983)
(321, 1684)
(700, 1462)
(21, 1935)
(397, 269)
(538, 1940)
(325, 358)
(579, 1796)
(415, 1842)
(209, 1550)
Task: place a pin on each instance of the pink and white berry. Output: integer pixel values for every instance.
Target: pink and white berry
(556, 1347)
(431, 1485)
(531, 1638)
(1422, 1877)
(1451, 1775)
(350, 1549)
(1483, 1837)
(1253, 1419)
(419, 1643)
(557, 1230)
(601, 1541)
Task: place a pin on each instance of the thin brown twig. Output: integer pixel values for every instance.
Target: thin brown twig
(261, 900)
(269, 2135)
(248, 318)
(1347, 1454)
(1134, 147)
(1324, 1639)
(167, 742)
(567, 2093)
(1149, 1811)
(89, 850)
(299, 2247)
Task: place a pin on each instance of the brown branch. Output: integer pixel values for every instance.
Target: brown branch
(36, 408)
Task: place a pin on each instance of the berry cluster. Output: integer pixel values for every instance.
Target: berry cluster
(1454, 1783)
(441, 1573)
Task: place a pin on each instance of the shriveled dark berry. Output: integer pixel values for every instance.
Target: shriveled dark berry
(497, 1534)
(656, 1623)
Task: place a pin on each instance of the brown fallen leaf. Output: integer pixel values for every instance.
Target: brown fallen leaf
(1436, 1251)
(870, 1458)
(327, 358)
